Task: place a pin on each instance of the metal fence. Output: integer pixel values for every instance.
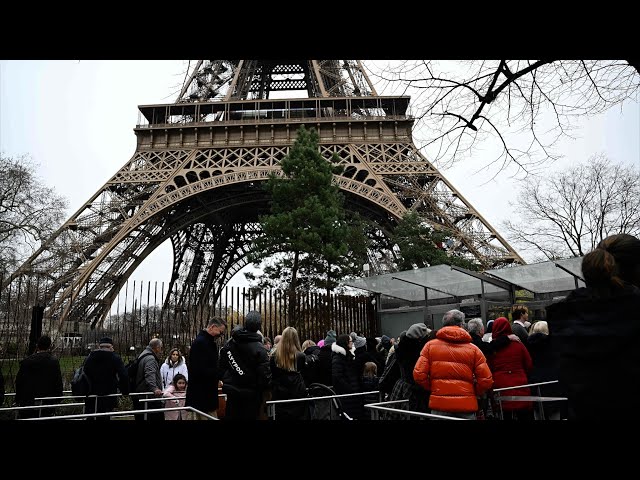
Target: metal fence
(143, 310)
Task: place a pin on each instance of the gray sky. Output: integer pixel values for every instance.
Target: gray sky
(76, 120)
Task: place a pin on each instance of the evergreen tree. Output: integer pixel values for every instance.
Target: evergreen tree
(308, 234)
(421, 246)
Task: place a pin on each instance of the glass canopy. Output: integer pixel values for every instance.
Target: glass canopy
(442, 281)
(544, 277)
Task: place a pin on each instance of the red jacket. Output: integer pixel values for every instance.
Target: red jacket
(454, 370)
(510, 366)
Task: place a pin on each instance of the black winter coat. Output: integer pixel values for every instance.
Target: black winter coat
(244, 365)
(202, 389)
(546, 367)
(597, 340)
(38, 376)
(312, 372)
(287, 385)
(106, 372)
(407, 352)
(324, 370)
(362, 357)
(346, 380)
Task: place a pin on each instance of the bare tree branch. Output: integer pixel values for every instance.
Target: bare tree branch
(29, 211)
(451, 98)
(568, 213)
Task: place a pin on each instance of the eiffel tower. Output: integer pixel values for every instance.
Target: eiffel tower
(196, 175)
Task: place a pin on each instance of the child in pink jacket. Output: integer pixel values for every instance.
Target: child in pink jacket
(177, 393)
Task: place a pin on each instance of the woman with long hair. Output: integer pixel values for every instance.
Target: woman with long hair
(596, 330)
(173, 365)
(287, 365)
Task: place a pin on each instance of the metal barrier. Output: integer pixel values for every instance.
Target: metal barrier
(12, 395)
(271, 405)
(375, 407)
(127, 413)
(146, 401)
(527, 398)
(39, 401)
(39, 408)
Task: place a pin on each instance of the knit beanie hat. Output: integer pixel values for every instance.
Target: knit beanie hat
(359, 342)
(417, 331)
(330, 338)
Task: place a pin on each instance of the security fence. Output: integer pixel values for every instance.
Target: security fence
(143, 310)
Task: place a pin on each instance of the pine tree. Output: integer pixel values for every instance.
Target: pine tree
(308, 232)
(421, 246)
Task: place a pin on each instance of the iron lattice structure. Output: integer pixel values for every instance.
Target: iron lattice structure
(196, 174)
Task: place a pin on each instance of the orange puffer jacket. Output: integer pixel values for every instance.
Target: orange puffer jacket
(454, 370)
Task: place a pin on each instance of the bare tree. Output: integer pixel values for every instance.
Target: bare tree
(29, 211)
(526, 105)
(567, 214)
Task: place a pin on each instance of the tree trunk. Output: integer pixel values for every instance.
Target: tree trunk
(292, 290)
(328, 310)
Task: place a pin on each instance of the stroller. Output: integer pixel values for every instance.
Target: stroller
(328, 409)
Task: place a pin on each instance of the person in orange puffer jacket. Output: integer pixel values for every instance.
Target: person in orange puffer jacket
(453, 369)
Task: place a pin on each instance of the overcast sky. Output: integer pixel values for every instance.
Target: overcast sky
(76, 120)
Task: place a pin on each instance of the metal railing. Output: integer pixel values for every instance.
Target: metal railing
(375, 407)
(126, 413)
(538, 399)
(146, 401)
(39, 408)
(40, 405)
(271, 405)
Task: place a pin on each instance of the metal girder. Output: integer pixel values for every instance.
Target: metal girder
(196, 178)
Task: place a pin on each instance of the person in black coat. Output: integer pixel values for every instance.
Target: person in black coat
(202, 393)
(546, 367)
(345, 377)
(324, 359)
(596, 331)
(288, 364)
(311, 372)
(245, 371)
(39, 375)
(362, 354)
(106, 373)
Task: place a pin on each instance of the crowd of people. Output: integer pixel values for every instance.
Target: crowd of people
(586, 343)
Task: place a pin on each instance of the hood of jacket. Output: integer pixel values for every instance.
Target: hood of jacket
(242, 335)
(500, 328)
(338, 349)
(453, 334)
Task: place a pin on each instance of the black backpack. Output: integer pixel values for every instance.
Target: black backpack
(132, 371)
(80, 383)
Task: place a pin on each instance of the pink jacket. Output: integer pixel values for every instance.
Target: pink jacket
(177, 399)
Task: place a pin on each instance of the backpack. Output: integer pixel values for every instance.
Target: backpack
(132, 371)
(80, 383)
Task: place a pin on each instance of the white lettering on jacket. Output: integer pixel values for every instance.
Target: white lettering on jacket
(234, 363)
